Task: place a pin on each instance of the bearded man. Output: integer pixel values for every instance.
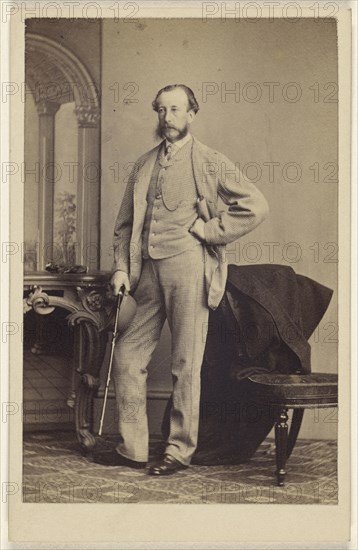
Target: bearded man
(169, 251)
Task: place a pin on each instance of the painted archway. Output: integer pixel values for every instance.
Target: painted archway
(56, 76)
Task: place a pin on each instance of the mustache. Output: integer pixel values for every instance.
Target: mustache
(161, 127)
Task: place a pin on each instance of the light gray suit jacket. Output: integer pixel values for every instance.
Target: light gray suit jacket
(215, 176)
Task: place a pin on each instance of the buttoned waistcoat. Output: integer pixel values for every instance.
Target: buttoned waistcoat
(171, 207)
(215, 176)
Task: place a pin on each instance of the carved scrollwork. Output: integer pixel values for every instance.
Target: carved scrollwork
(93, 306)
(71, 401)
(97, 308)
(88, 441)
(39, 301)
(26, 306)
(91, 381)
(97, 319)
(94, 300)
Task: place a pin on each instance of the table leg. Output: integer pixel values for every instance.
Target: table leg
(281, 432)
(94, 342)
(294, 430)
(39, 346)
(78, 362)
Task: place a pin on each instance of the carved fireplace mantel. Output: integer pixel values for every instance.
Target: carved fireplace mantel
(91, 306)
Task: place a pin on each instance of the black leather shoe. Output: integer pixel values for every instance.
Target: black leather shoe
(112, 458)
(165, 467)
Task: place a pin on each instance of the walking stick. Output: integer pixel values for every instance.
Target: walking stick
(113, 343)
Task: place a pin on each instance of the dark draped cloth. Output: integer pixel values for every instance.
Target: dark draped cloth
(263, 324)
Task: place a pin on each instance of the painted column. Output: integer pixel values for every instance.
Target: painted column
(47, 111)
(88, 188)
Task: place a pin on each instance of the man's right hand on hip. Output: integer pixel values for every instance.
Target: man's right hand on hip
(119, 279)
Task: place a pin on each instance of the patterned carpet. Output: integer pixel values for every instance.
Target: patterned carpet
(55, 471)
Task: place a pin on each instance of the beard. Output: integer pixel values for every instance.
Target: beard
(160, 132)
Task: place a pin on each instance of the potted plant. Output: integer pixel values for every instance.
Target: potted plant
(65, 226)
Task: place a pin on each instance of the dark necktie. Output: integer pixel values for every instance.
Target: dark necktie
(168, 151)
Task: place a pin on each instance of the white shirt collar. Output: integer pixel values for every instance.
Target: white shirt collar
(179, 144)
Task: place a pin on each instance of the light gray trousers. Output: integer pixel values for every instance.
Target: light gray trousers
(174, 289)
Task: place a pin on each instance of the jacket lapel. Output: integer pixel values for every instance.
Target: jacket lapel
(140, 191)
(197, 162)
(205, 169)
(145, 173)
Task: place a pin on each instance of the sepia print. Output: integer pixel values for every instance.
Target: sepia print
(180, 255)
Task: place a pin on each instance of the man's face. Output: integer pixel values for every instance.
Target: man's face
(174, 116)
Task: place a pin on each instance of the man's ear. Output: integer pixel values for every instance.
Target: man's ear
(191, 115)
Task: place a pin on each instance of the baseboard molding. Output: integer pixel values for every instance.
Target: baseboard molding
(151, 394)
(52, 414)
(47, 414)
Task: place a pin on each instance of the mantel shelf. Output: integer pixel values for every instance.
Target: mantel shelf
(61, 280)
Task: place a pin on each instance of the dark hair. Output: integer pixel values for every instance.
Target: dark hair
(193, 104)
